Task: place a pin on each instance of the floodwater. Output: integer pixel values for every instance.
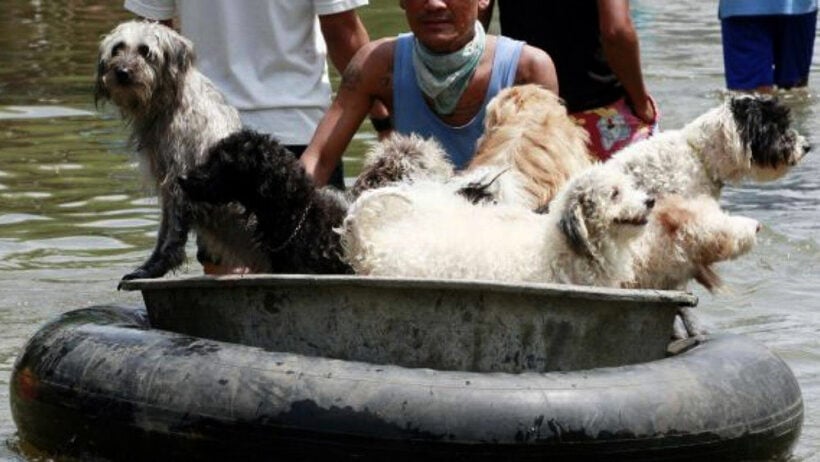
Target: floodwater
(75, 217)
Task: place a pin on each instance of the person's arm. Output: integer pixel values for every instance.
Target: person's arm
(536, 66)
(485, 13)
(345, 34)
(622, 51)
(365, 81)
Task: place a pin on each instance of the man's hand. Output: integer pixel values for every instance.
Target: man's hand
(645, 110)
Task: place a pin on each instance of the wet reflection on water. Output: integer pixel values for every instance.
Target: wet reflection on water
(75, 216)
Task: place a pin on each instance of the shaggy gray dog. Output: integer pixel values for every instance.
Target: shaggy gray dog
(175, 114)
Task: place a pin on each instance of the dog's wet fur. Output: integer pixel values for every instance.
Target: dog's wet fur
(175, 115)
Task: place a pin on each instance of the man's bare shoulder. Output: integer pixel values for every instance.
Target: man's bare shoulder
(379, 50)
(536, 66)
(371, 67)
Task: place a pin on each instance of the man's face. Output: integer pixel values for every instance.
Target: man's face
(443, 26)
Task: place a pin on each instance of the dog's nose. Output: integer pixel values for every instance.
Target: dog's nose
(806, 148)
(123, 75)
(650, 202)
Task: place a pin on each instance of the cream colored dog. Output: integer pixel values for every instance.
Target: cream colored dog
(685, 237)
(528, 131)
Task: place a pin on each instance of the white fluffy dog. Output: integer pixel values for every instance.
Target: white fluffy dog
(745, 137)
(424, 230)
(527, 131)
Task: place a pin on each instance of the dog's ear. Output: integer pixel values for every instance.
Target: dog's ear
(761, 122)
(573, 226)
(672, 215)
(178, 54)
(100, 92)
(185, 56)
(707, 276)
(478, 192)
(181, 56)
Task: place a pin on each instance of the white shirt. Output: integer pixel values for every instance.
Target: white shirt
(268, 57)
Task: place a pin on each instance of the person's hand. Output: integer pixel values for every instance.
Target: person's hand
(645, 110)
(381, 120)
(383, 127)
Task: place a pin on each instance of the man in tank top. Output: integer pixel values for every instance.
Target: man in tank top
(436, 82)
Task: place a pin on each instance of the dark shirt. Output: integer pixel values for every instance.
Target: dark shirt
(569, 32)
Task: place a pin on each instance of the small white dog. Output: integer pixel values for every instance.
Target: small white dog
(685, 237)
(745, 137)
(409, 158)
(425, 230)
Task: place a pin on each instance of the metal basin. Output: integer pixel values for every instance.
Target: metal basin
(446, 325)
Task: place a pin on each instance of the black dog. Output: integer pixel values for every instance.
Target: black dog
(294, 219)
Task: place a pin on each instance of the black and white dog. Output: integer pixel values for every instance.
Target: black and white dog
(747, 137)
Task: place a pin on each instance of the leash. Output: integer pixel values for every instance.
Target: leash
(296, 230)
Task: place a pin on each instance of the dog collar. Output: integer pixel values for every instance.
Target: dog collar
(296, 230)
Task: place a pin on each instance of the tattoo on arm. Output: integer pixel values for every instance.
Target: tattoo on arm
(386, 82)
(351, 77)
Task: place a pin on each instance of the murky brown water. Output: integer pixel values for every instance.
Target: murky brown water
(74, 217)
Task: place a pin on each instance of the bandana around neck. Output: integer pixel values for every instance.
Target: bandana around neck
(444, 77)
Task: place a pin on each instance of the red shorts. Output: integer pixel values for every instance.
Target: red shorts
(614, 126)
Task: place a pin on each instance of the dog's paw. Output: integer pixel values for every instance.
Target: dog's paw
(139, 273)
(745, 235)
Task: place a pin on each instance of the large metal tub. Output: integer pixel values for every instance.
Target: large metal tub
(446, 325)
